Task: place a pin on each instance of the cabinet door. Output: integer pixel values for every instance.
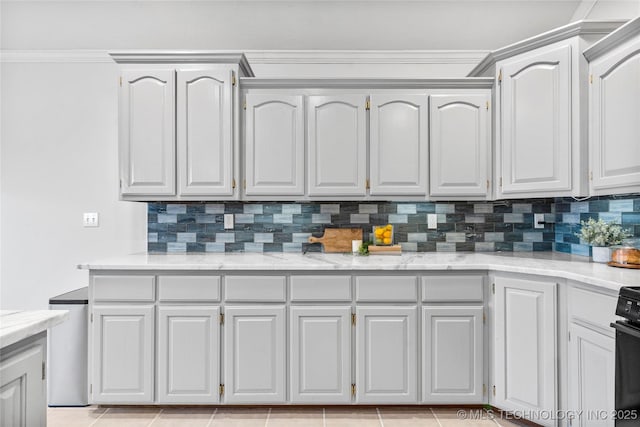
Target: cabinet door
(274, 143)
(123, 354)
(536, 123)
(459, 148)
(615, 121)
(147, 138)
(525, 346)
(320, 355)
(452, 352)
(337, 145)
(591, 376)
(399, 145)
(386, 355)
(254, 366)
(23, 387)
(188, 354)
(205, 132)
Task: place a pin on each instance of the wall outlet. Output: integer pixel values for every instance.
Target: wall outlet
(432, 221)
(90, 219)
(538, 220)
(228, 221)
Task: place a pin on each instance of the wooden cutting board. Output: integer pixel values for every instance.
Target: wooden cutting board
(338, 239)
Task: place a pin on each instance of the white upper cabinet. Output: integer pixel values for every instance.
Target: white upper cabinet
(398, 145)
(614, 103)
(147, 137)
(337, 141)
(274, 145)
(204, 130)
(460, 145)
(535, 120)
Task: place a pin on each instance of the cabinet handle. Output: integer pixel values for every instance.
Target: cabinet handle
(353, 390)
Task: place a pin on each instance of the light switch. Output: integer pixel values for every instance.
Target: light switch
(90, 219)
(538, 220)
(228, 221)
(432, 221)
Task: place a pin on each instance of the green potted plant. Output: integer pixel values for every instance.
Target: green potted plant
(601, 236)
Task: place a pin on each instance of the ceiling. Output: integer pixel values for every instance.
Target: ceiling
(292, 24)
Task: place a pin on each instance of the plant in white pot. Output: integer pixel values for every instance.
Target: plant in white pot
(601, 236)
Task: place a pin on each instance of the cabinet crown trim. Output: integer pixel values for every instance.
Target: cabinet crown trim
(183, 57)
(330, 83)
(617, 37)
(573, 29)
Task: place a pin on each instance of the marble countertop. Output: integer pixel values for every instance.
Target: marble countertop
(541, 263)
(17, 325)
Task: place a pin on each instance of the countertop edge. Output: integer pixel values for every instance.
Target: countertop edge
(31, 322)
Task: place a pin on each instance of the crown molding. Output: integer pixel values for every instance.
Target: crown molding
(616, 38)
(183, 57)
(365, 56)
(577, 28)
(367, 83)
(55, 56)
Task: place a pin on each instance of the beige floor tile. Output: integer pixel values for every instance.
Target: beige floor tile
(295, 417)
(184, 417)
(351, 417)
(73, 417)
(466, 417)
(240, 417)
(127, 417)
(407, 417)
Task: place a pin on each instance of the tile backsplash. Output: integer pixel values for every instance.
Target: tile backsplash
(622, 209)
(285, 227)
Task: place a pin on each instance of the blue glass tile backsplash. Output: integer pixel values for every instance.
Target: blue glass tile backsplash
(286, 227)
(622, 209)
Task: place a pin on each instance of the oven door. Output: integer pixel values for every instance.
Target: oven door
(627, 374)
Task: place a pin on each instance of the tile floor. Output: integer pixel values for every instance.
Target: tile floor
(392, 416)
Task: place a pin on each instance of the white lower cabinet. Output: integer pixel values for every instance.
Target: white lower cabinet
(188, 354)
(123, 354)
(591, 377)
(254, 355)
(525, 372)
(320, 362)
(22, 384)
(386, 354)
(452, 354)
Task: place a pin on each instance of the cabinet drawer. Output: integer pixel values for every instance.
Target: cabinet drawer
(320, 288)
(255, 288)
(192, 288)
(386, 288)
(592, 307)
(452, 288)
(123, 288)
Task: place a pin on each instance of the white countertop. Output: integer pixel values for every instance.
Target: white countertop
(17, 325)
(542, 263)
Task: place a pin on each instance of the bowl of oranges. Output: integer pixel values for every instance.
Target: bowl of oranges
(383, 235)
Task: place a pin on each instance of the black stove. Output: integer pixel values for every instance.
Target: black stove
(627, 381)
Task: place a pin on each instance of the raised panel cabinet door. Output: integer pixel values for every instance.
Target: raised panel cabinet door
(147, 137)
(591, 377)
(23, 388)
(386, 354)
(337, 145)
(254, 355)
(188, 354)
(536, 123)
(615, 120)
(452, 355)
(460, 145)
(398, 145)
(320, 355)
(205, 132)
(274, 144)
(525, 347)
(123, 354)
